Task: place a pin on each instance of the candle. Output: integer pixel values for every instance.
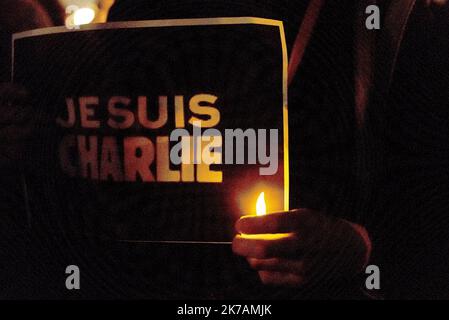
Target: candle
(261, 207)
(261, 210)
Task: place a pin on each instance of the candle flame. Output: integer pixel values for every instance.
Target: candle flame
(261, 207)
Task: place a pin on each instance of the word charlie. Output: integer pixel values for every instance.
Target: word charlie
(120, 139)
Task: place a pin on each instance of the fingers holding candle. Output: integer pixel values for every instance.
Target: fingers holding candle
(274, 235)
(265, 246)
(276, 257)
(291, 248)
(278, 222)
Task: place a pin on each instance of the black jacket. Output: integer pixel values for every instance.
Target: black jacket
(404, 155)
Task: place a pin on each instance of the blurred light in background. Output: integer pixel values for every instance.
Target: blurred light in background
(80, 12)
(83, 16)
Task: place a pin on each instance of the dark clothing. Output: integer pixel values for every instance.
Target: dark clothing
(15, 127)
(18, 250)
(407, 133)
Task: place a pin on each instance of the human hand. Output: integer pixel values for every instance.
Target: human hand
(292, 248)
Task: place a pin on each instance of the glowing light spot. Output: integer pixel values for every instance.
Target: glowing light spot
(267, 236)
(83, 16)
(261, 207)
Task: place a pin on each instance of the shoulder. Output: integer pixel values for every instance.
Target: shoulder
(23, 15)
(435, 11)
(437, 3)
